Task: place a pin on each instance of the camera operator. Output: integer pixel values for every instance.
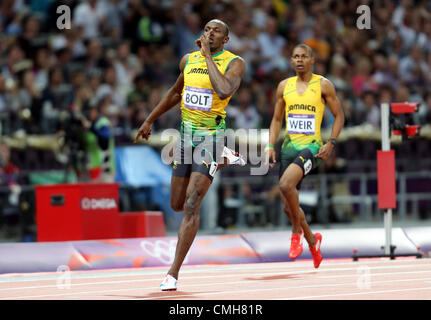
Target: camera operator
(98, 140)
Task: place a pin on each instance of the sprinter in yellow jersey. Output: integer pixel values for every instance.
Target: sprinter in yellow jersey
(208, 79)
(302, 99)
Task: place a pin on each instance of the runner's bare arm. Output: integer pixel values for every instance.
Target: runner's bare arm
(277, 121)
(330, 97)
(172, 96)
(169, 100)
(329, 94)
(224, 85)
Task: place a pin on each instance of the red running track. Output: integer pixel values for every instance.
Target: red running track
(370, 279)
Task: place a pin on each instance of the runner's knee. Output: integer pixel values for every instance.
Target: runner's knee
(287, 187)
(193, 200)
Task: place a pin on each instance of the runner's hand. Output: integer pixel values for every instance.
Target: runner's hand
(204, 44)
(270, 155)
(325, 151)
(144, 131)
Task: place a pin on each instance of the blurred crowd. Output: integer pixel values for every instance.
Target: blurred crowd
(122, 56)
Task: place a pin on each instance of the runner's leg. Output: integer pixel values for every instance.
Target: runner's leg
(290, 197)
(308, 235)
(196, 190)
(178, 192)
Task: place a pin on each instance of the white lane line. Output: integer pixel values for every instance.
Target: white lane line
(290, 287)
(357, 293)
(89, 297)
(191, 268)
(196, 269)
(210, 284)
(143, 280)
(187, 269)
(374, 275)
(250, 276)
(353, 275)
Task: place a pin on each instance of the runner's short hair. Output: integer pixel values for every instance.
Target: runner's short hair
(306, 47)
(224, 24)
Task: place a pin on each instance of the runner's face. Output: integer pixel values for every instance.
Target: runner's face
(301, 60)
(216, 34)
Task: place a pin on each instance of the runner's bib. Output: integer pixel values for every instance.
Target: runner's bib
(198, 98)
(301, 124)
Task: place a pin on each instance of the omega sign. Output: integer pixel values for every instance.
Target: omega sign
(94, 204)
